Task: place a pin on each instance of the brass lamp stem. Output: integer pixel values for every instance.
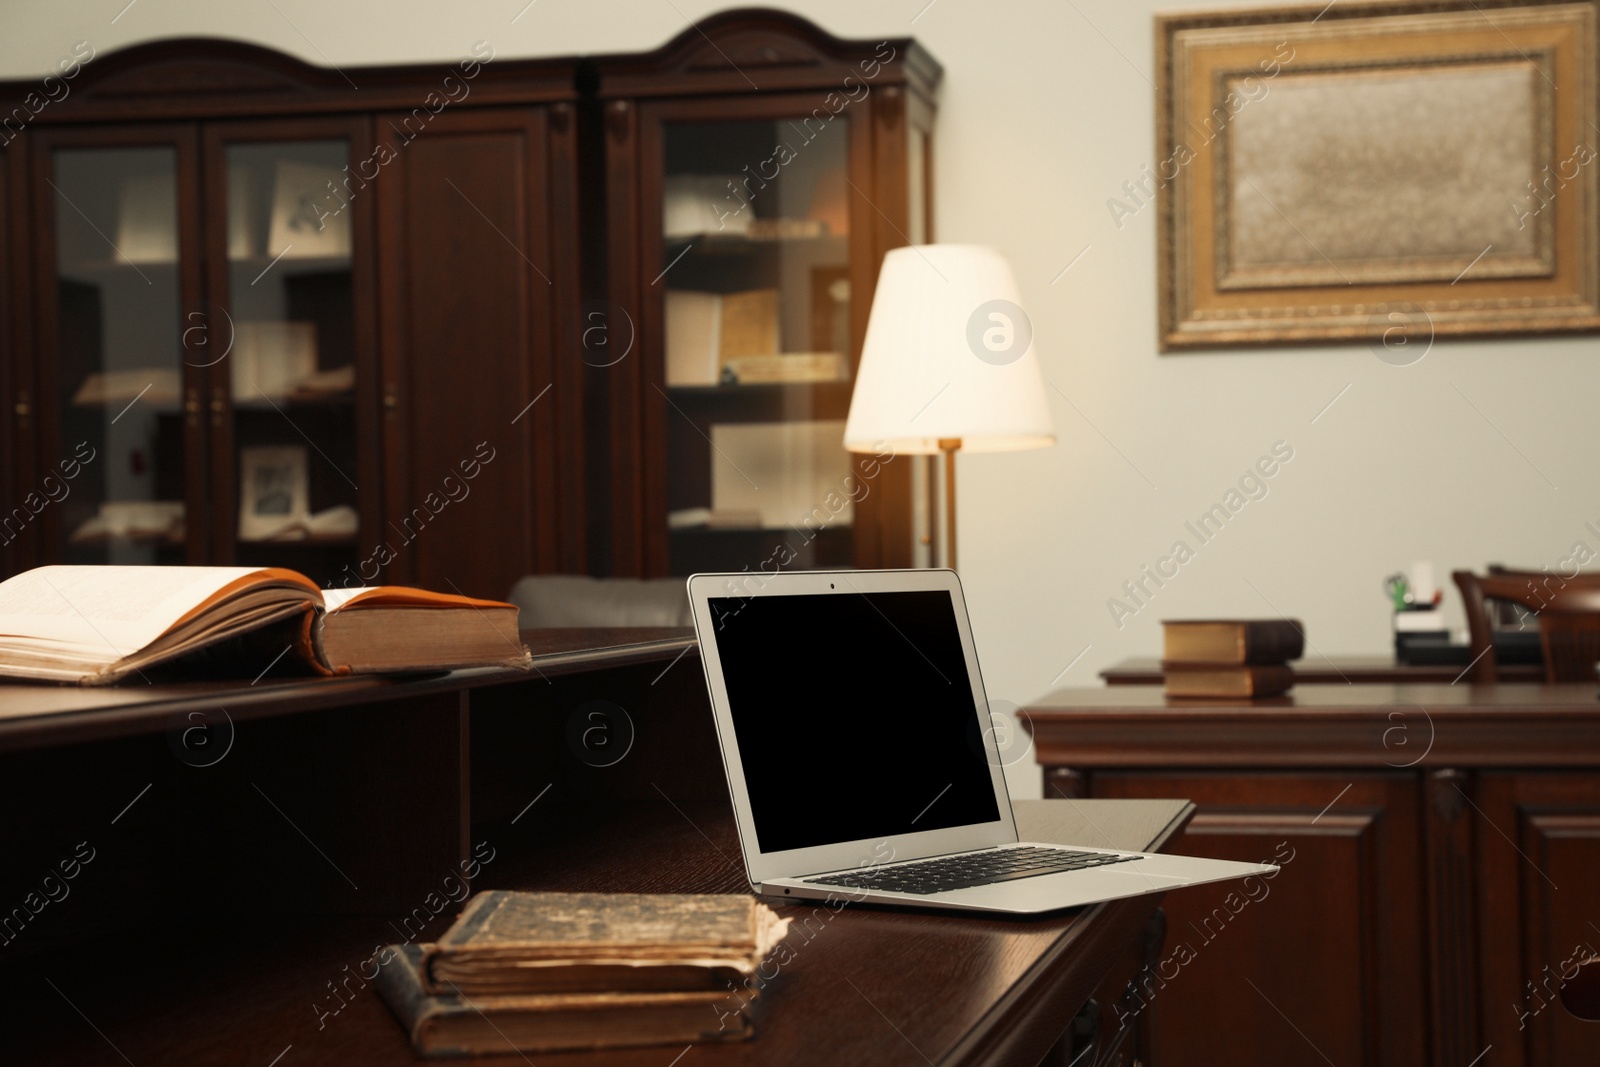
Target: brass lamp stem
(950, 446)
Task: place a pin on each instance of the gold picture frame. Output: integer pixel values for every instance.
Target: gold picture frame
(1339, 171)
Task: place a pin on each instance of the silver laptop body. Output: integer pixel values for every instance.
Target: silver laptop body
(857, 741)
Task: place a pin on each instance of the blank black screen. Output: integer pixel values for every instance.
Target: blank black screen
(853, 714)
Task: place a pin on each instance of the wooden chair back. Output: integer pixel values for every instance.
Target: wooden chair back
(1569, 619)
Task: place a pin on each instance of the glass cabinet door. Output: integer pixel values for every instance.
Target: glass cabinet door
(755, 267)
(289, 377)
(118, 369)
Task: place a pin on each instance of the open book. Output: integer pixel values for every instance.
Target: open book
(94, 625)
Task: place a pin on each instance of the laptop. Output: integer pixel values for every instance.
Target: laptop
(861, 756)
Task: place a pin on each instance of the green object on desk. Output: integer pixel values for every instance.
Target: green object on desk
(1398, 590)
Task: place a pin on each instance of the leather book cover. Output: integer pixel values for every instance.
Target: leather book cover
(452, 1025)
(1233, 641)
(1246, 682)
(507, 941)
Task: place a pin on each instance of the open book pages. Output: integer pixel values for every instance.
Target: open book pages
(94, 625)
(97, 624)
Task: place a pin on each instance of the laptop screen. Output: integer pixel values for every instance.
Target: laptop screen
(854, 716)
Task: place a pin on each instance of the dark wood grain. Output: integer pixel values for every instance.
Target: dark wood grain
(743, 65)
(1335, 670)
(466, 239)
(864, 984)
(1537, 841)
(36, 716)
(1322, 725)
(1433, 825)
(204, 78)
(199, 933)
(1346, 899)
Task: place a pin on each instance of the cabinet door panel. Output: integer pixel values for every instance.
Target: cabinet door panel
(470, 392)
(1537, 841)
(1323, 960)
(118, 281)
(292, 406)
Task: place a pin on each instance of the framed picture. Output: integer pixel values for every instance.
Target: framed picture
(274, 493)
(307, 214)
(1335, 172)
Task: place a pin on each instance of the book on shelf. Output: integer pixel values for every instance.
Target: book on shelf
(159, 387)
(691, 518)
(1247, 682)
(484, 1024)
(800, 465)
(160, 521)
(1232, 641)
(785, 229)
(271, 358)
(749, 324)
(519, 942)
(695, 205)
(319, 385)
(707, 330)
(694, 337)
(789, 367)
(93, 625)
(147, 219)
(338, 523)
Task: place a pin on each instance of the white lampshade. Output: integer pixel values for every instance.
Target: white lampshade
(949, 354)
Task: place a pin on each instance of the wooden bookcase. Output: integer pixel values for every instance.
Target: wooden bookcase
(478, 286)
(806, 158)
(159, 311)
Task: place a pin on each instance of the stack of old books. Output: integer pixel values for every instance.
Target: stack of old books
(1241, 659)
(540, 972)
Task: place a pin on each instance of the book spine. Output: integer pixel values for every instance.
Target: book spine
(1273, 641)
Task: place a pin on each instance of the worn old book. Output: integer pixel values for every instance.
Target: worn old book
(508, 941)
(483, 1024)
(95, 625)
(1246, 682)
(1233, 641)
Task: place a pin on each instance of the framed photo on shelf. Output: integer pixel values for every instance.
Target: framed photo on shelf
(274, 492)
(307, 216)
(1378, 172)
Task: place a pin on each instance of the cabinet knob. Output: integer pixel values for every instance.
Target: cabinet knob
(23, 410)
(390, 402)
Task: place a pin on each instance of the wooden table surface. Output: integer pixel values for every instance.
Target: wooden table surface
(1361, 670)
(35, 715)
(1323, 725)
(867, 985)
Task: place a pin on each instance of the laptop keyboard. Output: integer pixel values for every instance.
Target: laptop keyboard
(969, 869)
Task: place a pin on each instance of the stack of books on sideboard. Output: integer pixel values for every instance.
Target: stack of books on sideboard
(1231, 659)
(541, 972)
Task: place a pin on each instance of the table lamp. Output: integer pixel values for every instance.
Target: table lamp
(948, 364)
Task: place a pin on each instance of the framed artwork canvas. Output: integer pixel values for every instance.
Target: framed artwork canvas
(1334, 172)
(274, 492)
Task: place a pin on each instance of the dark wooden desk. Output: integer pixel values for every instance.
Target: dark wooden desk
(1446, 850)
(1315, 670)
(234, 892)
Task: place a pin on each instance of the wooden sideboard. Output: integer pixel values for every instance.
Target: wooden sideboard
(236, 849)
(1440, 848)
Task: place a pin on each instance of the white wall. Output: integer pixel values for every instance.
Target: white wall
(1482, 451)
